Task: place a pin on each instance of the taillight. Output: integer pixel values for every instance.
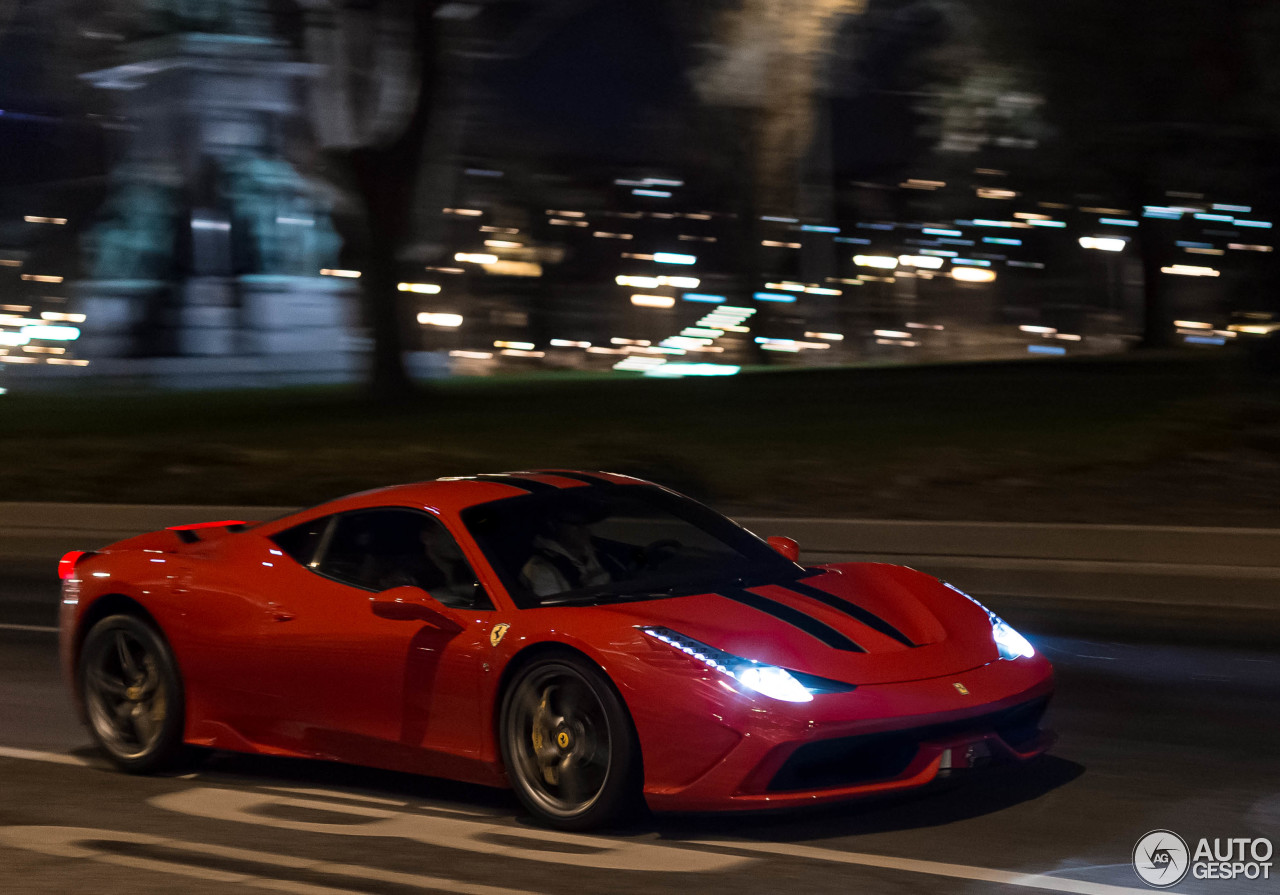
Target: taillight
(67, 565)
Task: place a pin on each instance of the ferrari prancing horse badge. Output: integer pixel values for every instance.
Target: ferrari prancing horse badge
(498, 632)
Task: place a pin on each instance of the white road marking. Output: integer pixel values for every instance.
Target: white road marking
(50, 757)
(242, 802)
(527, 843)
(44, 629)
(70, 842)
(933, 868)
(375, 800)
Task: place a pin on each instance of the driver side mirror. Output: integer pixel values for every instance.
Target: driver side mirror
(409, 603)
(786, 546)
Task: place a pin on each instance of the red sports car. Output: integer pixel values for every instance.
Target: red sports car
(587, 639)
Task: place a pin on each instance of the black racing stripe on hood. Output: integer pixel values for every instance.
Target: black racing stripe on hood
(517, 481)
(868, 618)
(794, 617)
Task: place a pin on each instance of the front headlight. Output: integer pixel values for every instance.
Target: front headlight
(769, 680)
(1009, 642)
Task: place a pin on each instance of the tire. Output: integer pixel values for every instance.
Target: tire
(568, 744)
(132, 693)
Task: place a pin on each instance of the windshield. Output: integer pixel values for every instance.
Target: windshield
(607, 544)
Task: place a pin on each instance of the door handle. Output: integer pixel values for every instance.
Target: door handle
(279, 613)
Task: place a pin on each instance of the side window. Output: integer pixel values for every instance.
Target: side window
(302, 541)
(381, 549)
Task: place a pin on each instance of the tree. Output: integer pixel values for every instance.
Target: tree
(1144, 96)
(371, 112)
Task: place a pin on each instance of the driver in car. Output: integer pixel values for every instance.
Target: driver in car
(564, 558)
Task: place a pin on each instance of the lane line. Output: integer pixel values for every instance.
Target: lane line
(49, 757)
(375, 800)
(63, 758)
(909, 865)
(932, 868)
(45, 629)
(81, 842)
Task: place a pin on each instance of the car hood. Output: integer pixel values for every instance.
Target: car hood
(860, 623)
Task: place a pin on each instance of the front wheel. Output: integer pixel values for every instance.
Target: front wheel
(568, 744)
(132, 694)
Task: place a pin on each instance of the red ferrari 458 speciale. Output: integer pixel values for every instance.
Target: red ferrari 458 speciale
(588, 639)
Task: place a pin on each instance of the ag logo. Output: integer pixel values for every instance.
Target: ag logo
(1161, 859)
(498, 632)
(961, 688)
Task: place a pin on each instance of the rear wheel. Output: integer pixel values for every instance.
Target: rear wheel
(568, 744)
(132, 694)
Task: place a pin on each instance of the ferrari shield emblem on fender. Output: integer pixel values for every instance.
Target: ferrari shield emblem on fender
(961, 688)
(498, 632)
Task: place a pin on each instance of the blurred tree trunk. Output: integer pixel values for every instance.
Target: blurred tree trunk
(372, 114)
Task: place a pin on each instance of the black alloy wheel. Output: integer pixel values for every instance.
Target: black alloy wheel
(568, 744)
(132, 694)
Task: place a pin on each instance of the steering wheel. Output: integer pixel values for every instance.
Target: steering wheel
(656, 553)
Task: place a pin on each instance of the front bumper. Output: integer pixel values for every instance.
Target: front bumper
(878, 739)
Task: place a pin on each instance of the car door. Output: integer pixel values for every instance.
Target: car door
(354, 685)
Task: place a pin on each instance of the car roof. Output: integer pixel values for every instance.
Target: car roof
(452, 494)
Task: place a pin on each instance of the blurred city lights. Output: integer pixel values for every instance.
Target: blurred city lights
(435, 319)
(1102, 243)
(931, 262)
(51, 333)
(475, 258)
(508, 268)
(774, 296)
(35, 219)
(422, 288)
(637, 282)
(973, 274)
(1188, 270)
(680, 282)
(653, 301)
(330, 272)
(674, 258)
(41, 278)
(883, 262)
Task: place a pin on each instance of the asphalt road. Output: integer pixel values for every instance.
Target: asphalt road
(1152, 736)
